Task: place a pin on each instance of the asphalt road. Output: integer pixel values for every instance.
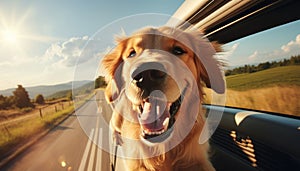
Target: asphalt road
(73, 145)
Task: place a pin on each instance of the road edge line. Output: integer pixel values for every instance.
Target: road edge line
(31, 142)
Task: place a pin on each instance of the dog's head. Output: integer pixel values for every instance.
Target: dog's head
(157, 71)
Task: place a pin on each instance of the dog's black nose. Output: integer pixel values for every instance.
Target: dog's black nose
(149, 75)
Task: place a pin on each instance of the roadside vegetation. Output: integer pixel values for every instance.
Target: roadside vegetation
(23, 119)
(279, 76)
(278, 99)
(274, 90)
(269, 86)
(294, 60)
(17, 130)
(20, 99)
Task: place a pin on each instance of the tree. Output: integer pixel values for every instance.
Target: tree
(100, 82)
(3, 102)
(39, 99)
(294, 60)
(6, 102)
(21, 97)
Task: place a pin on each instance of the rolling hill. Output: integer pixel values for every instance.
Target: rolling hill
(273, 90)
(279, 76)
(47, 90)
(84, 89)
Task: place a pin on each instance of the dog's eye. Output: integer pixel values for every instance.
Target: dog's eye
(178, 50)
(132, 53)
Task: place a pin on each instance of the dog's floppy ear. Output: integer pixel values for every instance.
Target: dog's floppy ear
(113, 64)
(206, 62)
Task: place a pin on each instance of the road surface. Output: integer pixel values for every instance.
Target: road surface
(73, 145)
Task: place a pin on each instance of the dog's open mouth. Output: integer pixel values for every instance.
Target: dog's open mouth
(157, 117)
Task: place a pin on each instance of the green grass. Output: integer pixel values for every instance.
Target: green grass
(280, 76)
(15, 134)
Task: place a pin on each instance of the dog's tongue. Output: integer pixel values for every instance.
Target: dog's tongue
(155, 112)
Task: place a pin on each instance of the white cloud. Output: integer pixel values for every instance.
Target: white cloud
(234, 47)
(292, 46)
(53, 53)
(253, 57)
(51, 66)
(227, 53)
(286, 51)
(76, 59)
(72, 51)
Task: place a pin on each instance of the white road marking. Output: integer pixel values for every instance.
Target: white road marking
(92, 156)
(99, 109)
(86, 151)
(99, 151)
(94, 144)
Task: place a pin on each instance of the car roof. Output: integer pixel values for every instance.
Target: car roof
(228, 20)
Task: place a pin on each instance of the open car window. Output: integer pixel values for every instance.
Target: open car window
(262, 71)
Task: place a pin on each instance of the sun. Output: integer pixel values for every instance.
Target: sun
(10, 36)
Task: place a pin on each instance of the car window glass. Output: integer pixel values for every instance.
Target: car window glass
(263, 70)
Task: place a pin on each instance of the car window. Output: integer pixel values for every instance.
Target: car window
(263, 70)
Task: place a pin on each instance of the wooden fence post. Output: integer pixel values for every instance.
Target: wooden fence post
(41, 115)
(9, 134)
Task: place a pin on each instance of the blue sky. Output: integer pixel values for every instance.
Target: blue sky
(40, 41)
(273, 44)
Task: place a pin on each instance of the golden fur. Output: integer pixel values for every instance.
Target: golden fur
(188, 154)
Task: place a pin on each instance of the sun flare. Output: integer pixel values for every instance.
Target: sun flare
(10, 36)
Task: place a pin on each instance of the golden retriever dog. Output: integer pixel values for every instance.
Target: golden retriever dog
(155, 84)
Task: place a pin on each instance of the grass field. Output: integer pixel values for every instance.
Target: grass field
(274, 90)
(19, 132)
(278, 99)
(280, 76)
(22, 130)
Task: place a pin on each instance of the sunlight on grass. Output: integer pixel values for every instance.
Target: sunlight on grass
(273, 90)
(280, 76)
(20, 131)
(278, 99)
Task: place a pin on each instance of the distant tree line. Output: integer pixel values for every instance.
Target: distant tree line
(19, 99)
(294, 60)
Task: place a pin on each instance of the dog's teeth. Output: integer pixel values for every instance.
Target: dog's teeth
(166, 123)
(147, 132)
(162, 131)
(144, 132)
